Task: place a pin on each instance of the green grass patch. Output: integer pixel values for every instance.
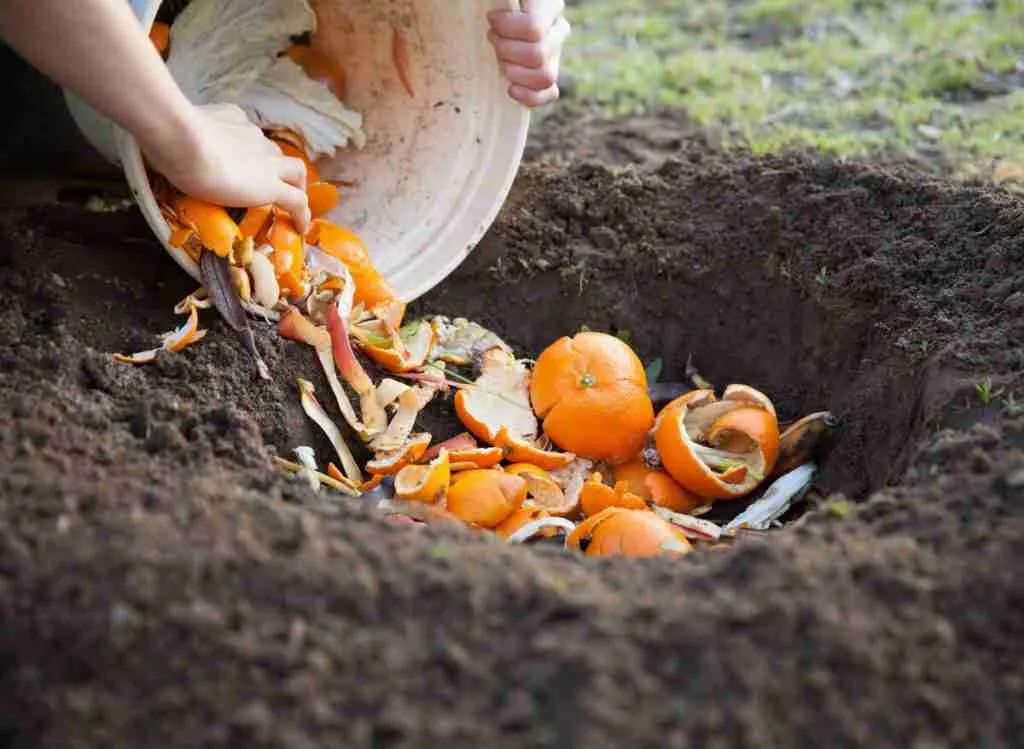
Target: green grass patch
(937, 78)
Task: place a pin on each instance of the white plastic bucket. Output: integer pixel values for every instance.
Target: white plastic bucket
(436, 168)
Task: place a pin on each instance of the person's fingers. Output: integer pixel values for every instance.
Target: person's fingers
(532, 99)
(529, 25)
(296, 203)
(535, 79)
(292, 171)
(527, 54)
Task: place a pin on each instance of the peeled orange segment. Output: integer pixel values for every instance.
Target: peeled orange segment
(211, 223)
(459, 442)
(634, 533)
(416, 339)
(485, 497)
(498, 399)
(519, 450)
(591, 393)
(461, 341)
(389, 463)
(706, 471)
(424, 483)
(478, 457)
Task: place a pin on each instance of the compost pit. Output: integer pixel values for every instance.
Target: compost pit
(160, 579)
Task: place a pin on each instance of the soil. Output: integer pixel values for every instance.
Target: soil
(160, 585)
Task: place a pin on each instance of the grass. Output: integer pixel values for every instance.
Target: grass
(937, 79)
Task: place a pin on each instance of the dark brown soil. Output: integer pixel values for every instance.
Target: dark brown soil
(161, 586)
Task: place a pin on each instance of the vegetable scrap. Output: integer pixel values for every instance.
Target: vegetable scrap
(580, 448)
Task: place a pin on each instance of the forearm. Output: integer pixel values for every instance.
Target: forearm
(97, 49)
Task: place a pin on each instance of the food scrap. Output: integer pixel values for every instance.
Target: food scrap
(579, 448)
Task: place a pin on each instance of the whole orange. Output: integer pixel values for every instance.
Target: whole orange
(591, 393)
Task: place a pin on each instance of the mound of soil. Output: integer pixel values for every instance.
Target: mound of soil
(162, 586)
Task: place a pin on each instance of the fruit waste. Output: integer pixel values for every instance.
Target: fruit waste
(580, 449)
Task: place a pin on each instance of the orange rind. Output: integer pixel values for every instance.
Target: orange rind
(519, 518)
(655, 486)
(323, 197)
(616, 531)
(485, 497)
(477, 457)
(424, 483)
(596, 496)
(696, 453)
(498, 399)
(372, 289)
(463, 441)
(211, 224)
(519, 450)
(415, 338)
(390, 463)
(590, 392)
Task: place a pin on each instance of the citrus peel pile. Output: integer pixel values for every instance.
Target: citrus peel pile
(571, 448)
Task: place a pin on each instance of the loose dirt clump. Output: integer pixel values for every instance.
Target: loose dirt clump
(163, 586)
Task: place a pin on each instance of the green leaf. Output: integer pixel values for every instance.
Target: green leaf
(654, 370)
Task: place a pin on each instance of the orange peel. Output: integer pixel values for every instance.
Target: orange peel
(655, 486)
(369, 485)
(685, 425)
(519, 450)
(416, 340)
(477, 457)
(424, 483)
(463, 441)
(212, 225)
(543, 492)
(499, 398)
(518, 519)
(372, 289)
(323, 197)
(597, 496)
(185, 335)
(386, 464)
(485, 497)
(616, 531)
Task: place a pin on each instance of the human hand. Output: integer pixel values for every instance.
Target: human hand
(529, 46)
(221, 157)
